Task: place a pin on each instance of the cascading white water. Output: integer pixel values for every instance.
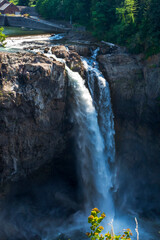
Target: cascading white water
(91, 145)
(99, 89)
(19, 43)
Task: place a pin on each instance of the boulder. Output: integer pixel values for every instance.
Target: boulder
(82, 50)
(46, 50)
(60, 51)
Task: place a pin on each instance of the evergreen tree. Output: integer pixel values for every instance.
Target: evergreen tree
(23, 2)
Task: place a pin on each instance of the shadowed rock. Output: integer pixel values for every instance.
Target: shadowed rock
(135, 91)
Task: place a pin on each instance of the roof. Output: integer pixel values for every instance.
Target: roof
(2, 2)
(6, 5)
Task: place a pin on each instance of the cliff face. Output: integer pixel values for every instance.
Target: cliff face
(33, 92)
(32, 110)
(135, 91)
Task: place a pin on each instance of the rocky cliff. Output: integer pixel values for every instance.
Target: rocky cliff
(32, 112)
(135, 91)
(33, 91)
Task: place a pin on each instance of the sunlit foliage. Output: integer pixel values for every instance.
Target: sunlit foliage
(24, 2)
(95, 220)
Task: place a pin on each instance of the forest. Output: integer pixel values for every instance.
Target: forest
(131, 23)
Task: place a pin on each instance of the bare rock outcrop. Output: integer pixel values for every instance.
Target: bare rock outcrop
(32, 110)
(72, 58)
(60, 51)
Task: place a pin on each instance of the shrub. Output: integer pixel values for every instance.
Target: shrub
(95, 219)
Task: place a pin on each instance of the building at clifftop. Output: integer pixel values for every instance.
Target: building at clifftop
(8, 8)
(2, 2)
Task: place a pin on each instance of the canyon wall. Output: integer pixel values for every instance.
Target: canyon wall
(32, 112)
(135, 90)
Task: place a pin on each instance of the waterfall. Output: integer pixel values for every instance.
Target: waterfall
(39, 212)
(99, 89)
(94, 134)
(94, 137)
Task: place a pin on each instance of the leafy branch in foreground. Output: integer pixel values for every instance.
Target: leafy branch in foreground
(95, 219)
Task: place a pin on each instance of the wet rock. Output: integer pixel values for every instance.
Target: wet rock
(60, 51)
(72, 58)
(107, 48)
(74, 63)
(46, 50)
(82, 50)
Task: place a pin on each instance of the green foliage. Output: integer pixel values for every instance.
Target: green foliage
(23, 2)
(15, 2)
(29, 3)
(128, 11)
(2, 37)
(131, 23)
(95, 219)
